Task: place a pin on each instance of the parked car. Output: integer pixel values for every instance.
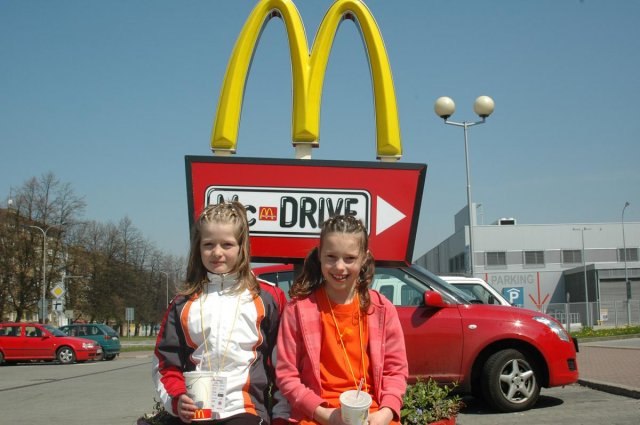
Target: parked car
(477, 288)
(280, 274)
(102, 334)
(501, 354)
(33, 341)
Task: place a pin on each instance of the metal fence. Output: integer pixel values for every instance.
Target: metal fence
(596, 314)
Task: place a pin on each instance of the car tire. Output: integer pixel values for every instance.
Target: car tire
(111, 357)
(66, 355)
(1, 358)
(509, 381)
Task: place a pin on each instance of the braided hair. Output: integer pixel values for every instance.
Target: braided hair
(234, 213)
(311, 277)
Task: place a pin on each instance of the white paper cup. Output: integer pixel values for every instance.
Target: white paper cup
(199, 388)
(355, 411)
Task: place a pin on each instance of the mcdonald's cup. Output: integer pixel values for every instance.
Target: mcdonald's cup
(199, 389)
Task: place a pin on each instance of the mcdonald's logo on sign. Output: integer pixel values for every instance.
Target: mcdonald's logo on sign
(308, 72)
(268, 213)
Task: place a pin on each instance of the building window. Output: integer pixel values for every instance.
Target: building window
(496, 259)
(571, 256)
(632, 254)
(533, 258)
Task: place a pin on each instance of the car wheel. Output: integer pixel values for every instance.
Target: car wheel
(66, 355)
(111, 357)
(509, 381)
(1, 358)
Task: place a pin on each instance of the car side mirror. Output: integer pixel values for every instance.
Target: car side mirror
(433, 299)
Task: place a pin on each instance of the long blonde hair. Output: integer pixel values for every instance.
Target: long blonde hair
(311, 278)
(232, 212)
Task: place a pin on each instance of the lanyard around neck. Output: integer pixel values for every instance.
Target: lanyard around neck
(221, 361)
(344, 349)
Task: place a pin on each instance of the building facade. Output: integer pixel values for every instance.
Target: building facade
(539, 265)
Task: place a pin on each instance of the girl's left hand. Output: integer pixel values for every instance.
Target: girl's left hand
(383, 416)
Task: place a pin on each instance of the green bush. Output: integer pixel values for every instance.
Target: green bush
(426, 402)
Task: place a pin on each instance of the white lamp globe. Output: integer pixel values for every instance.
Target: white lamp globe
(444, 107)
(483, 106)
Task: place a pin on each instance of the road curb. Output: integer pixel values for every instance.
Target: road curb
(611, 389)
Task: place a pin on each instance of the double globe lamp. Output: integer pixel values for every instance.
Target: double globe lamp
(483, 107)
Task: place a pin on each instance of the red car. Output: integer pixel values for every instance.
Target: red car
(499, 353)
(33, 341)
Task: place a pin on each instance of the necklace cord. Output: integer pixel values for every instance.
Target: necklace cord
(221, 361)
(344, 349)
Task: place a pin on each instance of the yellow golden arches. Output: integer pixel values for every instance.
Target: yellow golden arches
(308, 75)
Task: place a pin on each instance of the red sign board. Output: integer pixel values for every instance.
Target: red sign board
(287, 201)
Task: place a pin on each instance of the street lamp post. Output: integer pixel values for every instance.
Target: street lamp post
(584, 268)
(167, 277)
(44, 269)
(483, 107)
(626, 271)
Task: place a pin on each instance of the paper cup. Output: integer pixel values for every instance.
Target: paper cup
(199, 388)
(355, 410)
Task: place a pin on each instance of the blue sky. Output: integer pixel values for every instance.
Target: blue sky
(111, 95)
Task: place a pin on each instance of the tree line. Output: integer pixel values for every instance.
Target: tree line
(106, 267)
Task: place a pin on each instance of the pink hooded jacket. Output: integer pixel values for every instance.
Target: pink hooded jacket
(300, 342)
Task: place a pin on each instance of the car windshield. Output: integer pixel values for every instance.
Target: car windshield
(55, 331)
(445, 288)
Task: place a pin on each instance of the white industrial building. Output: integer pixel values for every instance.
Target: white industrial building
(543, 266)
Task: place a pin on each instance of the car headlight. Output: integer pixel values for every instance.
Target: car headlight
(554, 326)
(88, 345)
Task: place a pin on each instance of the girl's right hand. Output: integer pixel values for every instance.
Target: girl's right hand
(328, 416)
(186, 408)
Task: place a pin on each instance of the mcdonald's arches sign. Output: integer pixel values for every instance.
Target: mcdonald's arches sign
(288, 200)
(308, 71)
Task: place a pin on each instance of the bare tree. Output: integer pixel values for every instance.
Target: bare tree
(113, 266)
(48, 205)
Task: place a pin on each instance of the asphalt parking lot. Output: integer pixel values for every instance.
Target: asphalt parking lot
(120, 391)
(573, 404)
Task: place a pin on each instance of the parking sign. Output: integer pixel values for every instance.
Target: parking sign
(515, 295)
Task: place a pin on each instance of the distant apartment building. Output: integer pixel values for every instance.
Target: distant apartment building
(534, 265)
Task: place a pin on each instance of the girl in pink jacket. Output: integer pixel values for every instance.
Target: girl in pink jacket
(337, 335)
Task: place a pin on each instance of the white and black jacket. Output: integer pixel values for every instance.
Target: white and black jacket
(240, 333)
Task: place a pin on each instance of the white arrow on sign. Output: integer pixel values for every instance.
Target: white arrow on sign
(386, 215)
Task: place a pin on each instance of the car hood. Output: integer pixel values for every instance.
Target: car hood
(78, 340)
(504, 320)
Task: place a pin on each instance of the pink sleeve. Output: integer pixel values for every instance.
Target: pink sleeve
(290, 376)
(395, 370)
